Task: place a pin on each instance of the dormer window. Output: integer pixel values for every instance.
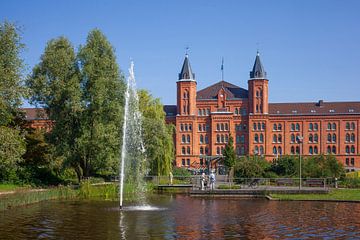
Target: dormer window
(332, 110)
(351, 110)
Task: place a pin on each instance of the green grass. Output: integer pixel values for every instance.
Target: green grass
(6, 187)
(334, 195)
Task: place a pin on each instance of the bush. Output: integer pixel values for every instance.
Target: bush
(178, 171)
(349, 182)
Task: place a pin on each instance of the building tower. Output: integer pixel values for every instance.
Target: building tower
(186, 90)
(258, 89)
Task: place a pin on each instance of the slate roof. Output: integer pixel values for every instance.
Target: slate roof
(170, 110)
(315, 108)
(258, 70)
(232, 91)
(186, 72)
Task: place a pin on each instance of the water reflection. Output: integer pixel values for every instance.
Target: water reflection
(183, 217)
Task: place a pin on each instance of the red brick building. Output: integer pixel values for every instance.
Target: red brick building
(206, 118)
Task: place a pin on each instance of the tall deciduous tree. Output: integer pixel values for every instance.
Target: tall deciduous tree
(230, 157)
(158, 136)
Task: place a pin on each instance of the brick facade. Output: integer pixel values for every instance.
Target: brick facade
(205, 119)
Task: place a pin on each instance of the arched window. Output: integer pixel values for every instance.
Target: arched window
(292, 138)
(316, 138)
(311, 151)
(188, 138)
(334, 137)
(190, 127)
(347, 149)
(222, 138)
(311, 127)
(199, 112)
(183, 150)
(237, 139)
(217, 151)
(279, 138)
(256, 138)
(329, 137)
(333, 126)
(329, 126)
(316, 126)
(352, 149)
(292, 127)
(183, 138)
(222, 127)
(201, 139)
(256, 150)
(217, 127)
(181, 127)
(242, 139)
(347, 126)
(297, 127)
(236, 111)
(186, 127)
(316, 150)
(257, 94)
(254, 126)
(226, 127)
(352, 137)
(347, 138)
(206, 150)
(261, 138)
(274, 150)
(352, 126)
(261, 150)
(259, 126)
(311, 139)
(279, 127)
(242, 150)
(279, 150)
(328, 149)
(334, 150)
(274, 127)
(188, 150)
(226, 138)
(274, 139)
(297, 150)
(217, 138)
(206, 139)
(263, 126)
(201, 150)
(292, 150)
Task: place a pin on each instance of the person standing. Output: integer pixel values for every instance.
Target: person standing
(212, 180)
(202, 181)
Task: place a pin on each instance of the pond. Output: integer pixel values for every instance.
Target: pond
(183, 217)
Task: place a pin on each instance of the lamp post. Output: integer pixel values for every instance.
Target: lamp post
(300, 141)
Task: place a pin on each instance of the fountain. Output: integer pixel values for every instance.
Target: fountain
(132, 164)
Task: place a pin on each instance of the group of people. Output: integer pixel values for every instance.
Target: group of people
(204, 181)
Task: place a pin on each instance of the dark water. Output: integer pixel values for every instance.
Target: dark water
(183, 217)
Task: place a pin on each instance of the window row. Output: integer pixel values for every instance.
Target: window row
(185, 138)
(295, 127)
(259, 150)
(313, 150)
(313, 138)
(296, 139)
(240, 111)
(259, 138)
(204, 127)
(331, 126)
(277, 138)
(350, 126)
(240, 127)
(204, 112)
(313, 127)
(240, 150)
(259, 126)
(350, 138)
(222, 127)
(350, 162)
(185, 127)
(277, 127)
(240, 138)
(350, 150)
(222, 138)
(202, 152)
(277, 150)
(295, 150)
(219, 150)
(204, 139)
(187, 162)
(331, 149)
(331, 138)
(185, 151)
(258, 108)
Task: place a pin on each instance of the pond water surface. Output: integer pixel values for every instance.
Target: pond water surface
(183, 217)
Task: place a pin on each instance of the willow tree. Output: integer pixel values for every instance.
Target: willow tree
(11, 92)
(158, 136)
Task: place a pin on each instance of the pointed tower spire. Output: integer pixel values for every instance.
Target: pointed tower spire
(186, 72)
(258, 70)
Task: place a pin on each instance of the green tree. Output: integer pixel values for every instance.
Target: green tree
(286, 166)
(229, 154)
(158, 136)
(251, 167)
(322, 166)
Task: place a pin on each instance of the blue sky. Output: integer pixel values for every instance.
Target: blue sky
(310, 48)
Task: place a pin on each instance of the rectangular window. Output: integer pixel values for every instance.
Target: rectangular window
(352, 162)
(188, 162)
(183, 162)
